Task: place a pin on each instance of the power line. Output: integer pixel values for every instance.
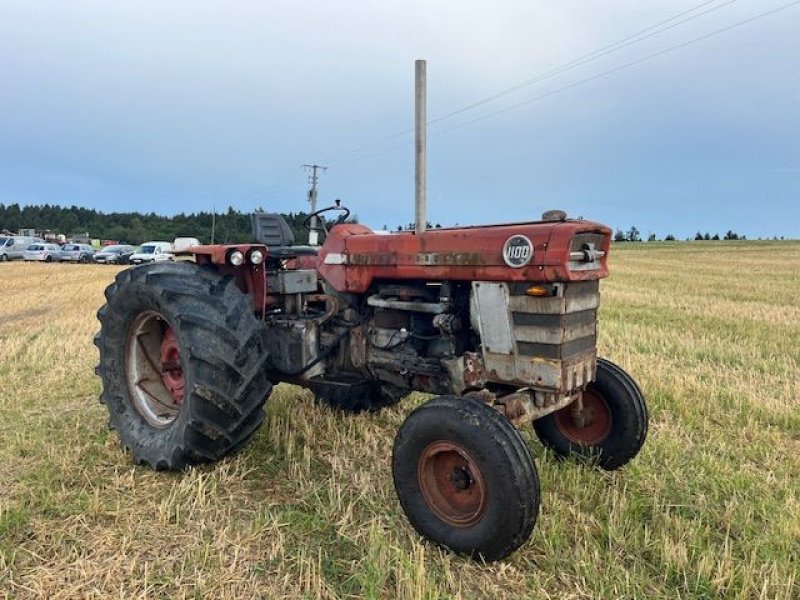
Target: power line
(621, 67)
(625, 42)
(590, 79)
(591, 56)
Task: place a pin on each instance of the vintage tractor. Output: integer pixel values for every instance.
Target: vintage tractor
(498, 322)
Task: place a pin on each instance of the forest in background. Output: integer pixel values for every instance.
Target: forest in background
(135, 228)
(231, 226)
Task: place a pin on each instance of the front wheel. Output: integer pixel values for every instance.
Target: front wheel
(182, 362)
(465, 478)
(610, 429)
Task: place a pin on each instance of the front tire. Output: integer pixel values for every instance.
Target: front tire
(182, 362)
(465, 478)
(614, 428)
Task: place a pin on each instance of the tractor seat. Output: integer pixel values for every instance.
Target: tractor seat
(272, 230)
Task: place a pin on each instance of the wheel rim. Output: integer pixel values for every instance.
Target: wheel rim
(452, 484)
(153, 369)
(591, 426)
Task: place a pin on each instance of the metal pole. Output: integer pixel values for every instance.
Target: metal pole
(213, 221)
(420, 146)
(313, 234)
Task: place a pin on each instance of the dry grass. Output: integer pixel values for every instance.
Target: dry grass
(711, 508)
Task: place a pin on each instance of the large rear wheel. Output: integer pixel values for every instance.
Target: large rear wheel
(182, 361)
(609, 429)
(465, 477)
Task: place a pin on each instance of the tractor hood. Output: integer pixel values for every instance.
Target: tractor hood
(353, 256)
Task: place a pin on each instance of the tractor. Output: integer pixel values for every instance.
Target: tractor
(498, 323)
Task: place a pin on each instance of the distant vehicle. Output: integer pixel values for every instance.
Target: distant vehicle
(12, 247)
(117, 254)
(183, 244)
(82, 253)
(43, 252)
(152, 252)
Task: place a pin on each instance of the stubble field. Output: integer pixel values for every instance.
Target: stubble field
(710, 508)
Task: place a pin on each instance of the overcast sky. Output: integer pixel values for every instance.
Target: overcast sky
(181, 106)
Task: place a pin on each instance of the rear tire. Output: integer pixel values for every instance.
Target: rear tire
(221, 356)
(465, 478)
(619, 425)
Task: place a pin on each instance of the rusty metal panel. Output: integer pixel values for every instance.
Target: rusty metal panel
(554, 335)
(293, 282)
(490, 304)
(359, 256)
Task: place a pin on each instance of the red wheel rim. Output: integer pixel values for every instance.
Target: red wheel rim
(451, 484)
(591, 426)
(171, 369)
(153, 369)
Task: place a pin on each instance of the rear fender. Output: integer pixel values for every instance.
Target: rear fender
(250, 278)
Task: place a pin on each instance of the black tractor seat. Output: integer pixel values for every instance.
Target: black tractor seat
(272, 230)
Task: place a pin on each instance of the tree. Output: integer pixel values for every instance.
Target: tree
(633, 234)
(698, 236)
(731, 235)
(652, 238)
(669, 238)
(619, 236)
(716, 237)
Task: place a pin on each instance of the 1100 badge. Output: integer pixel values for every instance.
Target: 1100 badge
(517, 251)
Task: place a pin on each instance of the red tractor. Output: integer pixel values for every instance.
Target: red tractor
(498, 322)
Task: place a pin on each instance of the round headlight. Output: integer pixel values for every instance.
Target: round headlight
(256, 257)
(236, 258)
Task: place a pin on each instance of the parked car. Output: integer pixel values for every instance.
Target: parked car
(118, 254)
(42, 252)
(12, 247)
(82, 253)
(152, 252)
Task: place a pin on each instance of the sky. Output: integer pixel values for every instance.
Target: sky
(184, 106)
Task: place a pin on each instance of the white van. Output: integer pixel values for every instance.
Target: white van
(152, 252)
(184, 244)
(12, 247)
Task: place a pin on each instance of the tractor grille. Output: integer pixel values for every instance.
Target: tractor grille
(544, 342)
(557, 326)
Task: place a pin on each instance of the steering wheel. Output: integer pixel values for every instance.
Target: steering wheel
(321, 211)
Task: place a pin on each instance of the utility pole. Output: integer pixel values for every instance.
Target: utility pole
(420, 119)
(313, 179)
(213, 221)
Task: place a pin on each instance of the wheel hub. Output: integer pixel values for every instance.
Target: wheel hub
(452, 484)
(153, 369)
(171, 369)
(587, 423)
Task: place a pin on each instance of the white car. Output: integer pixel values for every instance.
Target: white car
(43, 252)
(152, 252)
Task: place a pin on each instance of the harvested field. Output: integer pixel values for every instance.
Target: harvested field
(710, 508)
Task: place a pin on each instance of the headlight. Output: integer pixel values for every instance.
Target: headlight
(236, 258)
(256, 257)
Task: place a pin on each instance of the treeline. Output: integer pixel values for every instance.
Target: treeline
(135, 228)
(634, 235)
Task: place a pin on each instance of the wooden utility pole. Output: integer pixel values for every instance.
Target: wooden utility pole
(313, 234)
(420, 119)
